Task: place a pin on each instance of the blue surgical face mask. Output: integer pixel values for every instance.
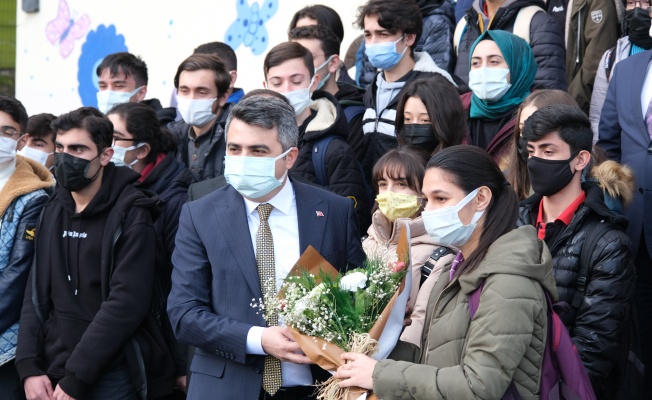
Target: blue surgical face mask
(253, 177)
(445, 227)
(119, 154)
(299, 99)
(106, 99)
(323, 81)
(489, 84)
(384, 55)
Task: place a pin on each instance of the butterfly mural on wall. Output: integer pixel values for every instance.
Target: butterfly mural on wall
(64, 30)
(249, 27)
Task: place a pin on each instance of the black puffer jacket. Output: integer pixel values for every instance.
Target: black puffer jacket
(546, 40)
(600, 329)
(343, 170)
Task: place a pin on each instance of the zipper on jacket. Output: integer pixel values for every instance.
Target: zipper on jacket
(579, 36)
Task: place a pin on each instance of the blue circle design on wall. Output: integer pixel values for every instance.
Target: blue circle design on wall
(99, 44)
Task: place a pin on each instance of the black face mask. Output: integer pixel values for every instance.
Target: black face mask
(548, 177)
(421, 136)
(521, 145)
(71, 171)
(637, 23)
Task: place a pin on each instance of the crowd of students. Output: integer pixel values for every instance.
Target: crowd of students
(133, 236)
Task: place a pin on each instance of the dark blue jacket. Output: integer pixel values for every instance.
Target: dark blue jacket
(625, 138)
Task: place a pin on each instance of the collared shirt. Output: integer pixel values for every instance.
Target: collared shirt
(551, 230)
(284, 224)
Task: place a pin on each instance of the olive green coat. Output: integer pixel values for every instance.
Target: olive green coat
(478, 359)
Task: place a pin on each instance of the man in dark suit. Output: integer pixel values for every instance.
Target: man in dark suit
(625, 133)
(225, 248)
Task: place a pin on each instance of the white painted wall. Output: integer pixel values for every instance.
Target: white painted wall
(58, 77)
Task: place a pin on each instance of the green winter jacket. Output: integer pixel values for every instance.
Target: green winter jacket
(592, 27)
(478, 359)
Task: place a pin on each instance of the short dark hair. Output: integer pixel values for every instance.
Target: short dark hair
(129, 64)
(517, 173)
(569, 122)
(223, 51)
(15, 109)
(400, 163)
(445, 109)
(324, 15)
(142, 123)
(396, 16)
(38, 126)
(288, 51)
(327, 39)
(89, 119)
(265, 92)
(211, 62)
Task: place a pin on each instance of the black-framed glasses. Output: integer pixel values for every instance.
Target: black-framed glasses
(9, 131)
(118, 139)
(637, 3)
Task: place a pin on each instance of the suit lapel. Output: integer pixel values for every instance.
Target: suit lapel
(636, 89)
(232, 216)
(312, 213)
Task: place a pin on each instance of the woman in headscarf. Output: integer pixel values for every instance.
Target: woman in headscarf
(502, 73)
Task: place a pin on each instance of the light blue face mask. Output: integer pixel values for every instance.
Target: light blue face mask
(384, 55)
(106, 99)
(253, 177)
(323, 81)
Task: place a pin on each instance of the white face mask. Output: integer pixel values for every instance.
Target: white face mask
(323, 81)
(444, 226)
(489, 84)
(299, 99)
(119, 154)
(106, 99)
(7, 149)
(253, 177)
(37, 155)
(196, 112)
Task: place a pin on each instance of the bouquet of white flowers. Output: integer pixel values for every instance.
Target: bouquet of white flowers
(328, 313)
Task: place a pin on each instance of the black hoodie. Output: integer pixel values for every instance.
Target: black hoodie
(91, 284)
(343, 170)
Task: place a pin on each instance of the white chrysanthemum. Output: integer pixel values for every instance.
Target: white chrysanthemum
(354, 281)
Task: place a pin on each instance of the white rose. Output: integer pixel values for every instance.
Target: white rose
(354, 281)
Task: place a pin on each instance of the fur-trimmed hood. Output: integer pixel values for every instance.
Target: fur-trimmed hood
(425, 63)
(28, 177)
(328, 118)
(615, 179)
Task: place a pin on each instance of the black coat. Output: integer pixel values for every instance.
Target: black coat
(600, 327)
(546, 40)
(343, 170)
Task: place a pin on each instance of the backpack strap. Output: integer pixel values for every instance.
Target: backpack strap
(590, 243)
(459, 33)
(319, 159)
(353, 111)
(524, 21)
(609, 62)
(474, 300)
(431, 262)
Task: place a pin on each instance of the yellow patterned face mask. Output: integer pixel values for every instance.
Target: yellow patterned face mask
(397, 205)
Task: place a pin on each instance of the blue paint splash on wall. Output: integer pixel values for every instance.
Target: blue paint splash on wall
(99, 44)
(249, 27)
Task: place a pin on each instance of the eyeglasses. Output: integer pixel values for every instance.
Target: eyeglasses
(9, 132)
(118, 139)
(641, 4)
